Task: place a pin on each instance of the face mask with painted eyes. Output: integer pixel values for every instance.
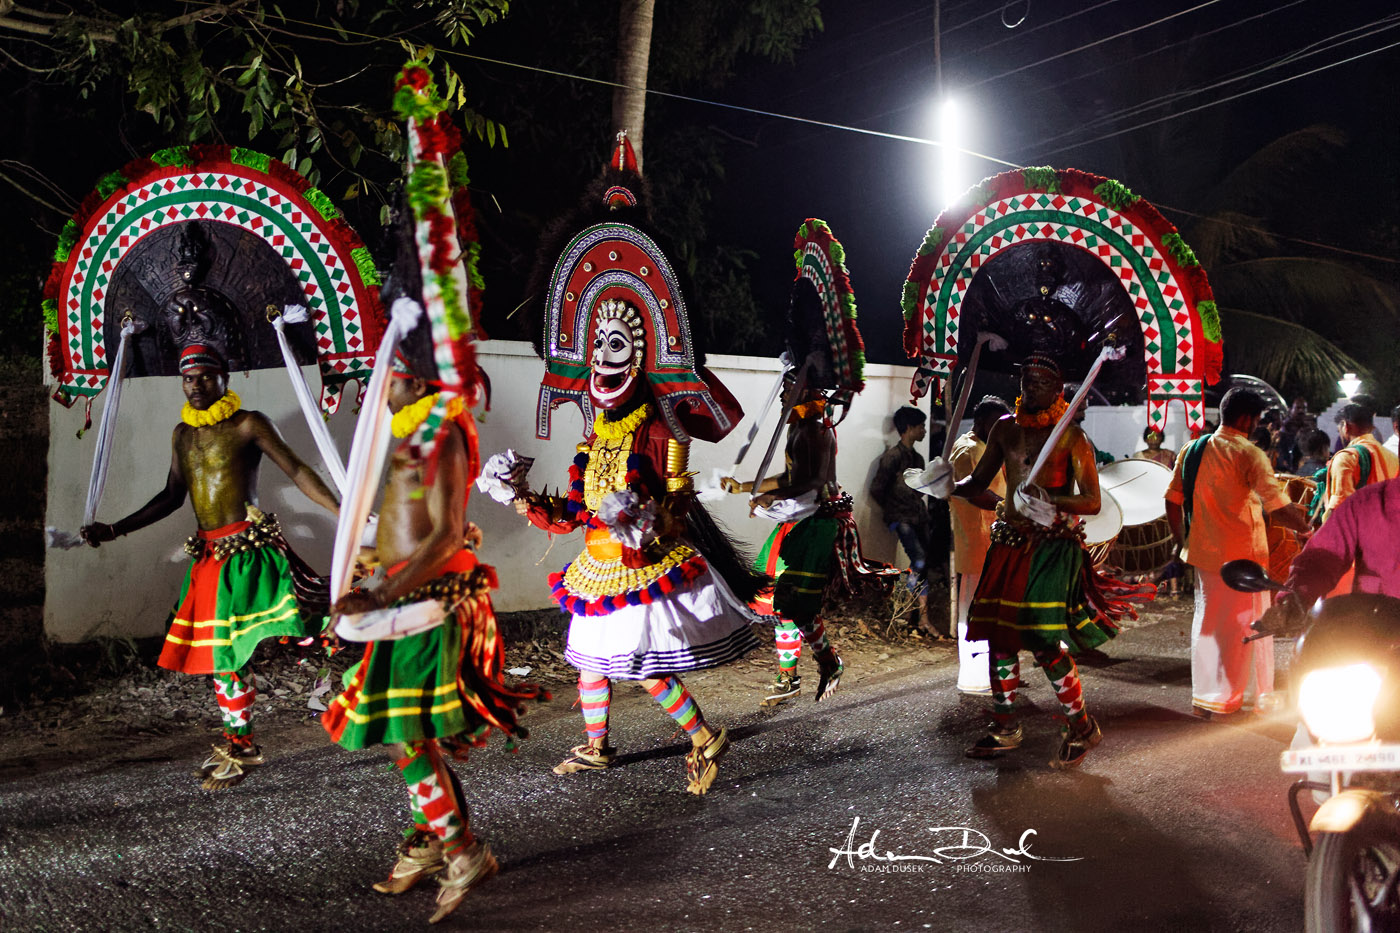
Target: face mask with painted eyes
(613, 379)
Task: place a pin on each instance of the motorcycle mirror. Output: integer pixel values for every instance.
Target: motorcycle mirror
(1246, 576)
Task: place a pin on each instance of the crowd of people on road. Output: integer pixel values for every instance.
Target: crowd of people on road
(660, 590)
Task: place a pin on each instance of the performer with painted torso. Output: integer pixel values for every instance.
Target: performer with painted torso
(246, 584)
(1039, 591)
(815, 548)
(430, 683)
(799, 552)
(658, 589)
(431, 695)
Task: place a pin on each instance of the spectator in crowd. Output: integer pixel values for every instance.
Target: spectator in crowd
(905, 511)
(1153, 438)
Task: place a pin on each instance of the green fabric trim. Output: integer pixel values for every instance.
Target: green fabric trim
(1116, 195)
(365, 263)
(67, 239)
(908, 302)
(1041, 178)
(322, 203)
(1210, 320)
(109, 183)
(932, 241)
(250, 158)
(50, 311)
(427, 189)
(1179, 250)
(175, 155)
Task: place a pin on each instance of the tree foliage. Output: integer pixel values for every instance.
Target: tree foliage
(1297, 321)
(306, 82)
(309, 83)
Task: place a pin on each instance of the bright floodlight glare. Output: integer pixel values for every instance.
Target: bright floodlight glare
(1337, 703)
(951, 184)
(1349, 384)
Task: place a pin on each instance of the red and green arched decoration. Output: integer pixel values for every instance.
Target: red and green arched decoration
(821, 259)
(1163, 279)
(226, 185)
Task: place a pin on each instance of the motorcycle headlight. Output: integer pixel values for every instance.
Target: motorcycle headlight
(1337, 702)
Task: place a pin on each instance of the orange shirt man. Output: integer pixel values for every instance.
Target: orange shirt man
(1230, 486)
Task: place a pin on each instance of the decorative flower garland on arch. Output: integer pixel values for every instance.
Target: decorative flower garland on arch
(1163, 278)
(227, 185)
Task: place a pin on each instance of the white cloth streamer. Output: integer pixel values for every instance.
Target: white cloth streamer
(367, 450)
(102, 456)
(296, 314)
(790, 510)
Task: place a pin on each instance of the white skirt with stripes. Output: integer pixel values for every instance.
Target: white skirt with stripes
(702, 626)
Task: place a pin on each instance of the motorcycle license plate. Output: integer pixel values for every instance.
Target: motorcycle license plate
(1343, 758)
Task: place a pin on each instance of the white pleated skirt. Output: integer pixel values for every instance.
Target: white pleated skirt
(699, 627)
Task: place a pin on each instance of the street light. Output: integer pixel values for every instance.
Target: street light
(1349, 384)
(950, 181)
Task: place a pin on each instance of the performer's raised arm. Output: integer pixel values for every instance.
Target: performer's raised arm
(264, 434)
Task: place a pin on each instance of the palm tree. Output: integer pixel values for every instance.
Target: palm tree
(1298, 322)
(633, 57)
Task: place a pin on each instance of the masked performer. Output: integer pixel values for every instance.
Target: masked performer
(246, 584)
(816, 534)
(1039, 591)
(658, 589)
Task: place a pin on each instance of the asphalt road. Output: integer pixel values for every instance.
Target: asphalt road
(1171, 824)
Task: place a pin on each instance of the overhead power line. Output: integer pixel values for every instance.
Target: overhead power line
(1315, 48)
(1094, 44)
(904, 138)
(1196, 37)
(1224, 100)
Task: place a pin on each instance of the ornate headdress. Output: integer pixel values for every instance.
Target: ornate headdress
(194, 243)
(821, 321)
(436, 266)
(1057, 260)
(609, 264)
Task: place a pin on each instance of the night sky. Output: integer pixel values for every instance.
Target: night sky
(873, 67)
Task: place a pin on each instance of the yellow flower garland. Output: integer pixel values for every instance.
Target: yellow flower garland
(221, 410)
(623, 427)
(1043, 418)
(408, 419)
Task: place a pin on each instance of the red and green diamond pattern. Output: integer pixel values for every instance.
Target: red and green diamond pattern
(1138, 259)
(335, 294)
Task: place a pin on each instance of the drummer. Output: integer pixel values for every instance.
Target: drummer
(1039, 591)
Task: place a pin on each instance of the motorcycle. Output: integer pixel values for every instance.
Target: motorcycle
(1346, 685)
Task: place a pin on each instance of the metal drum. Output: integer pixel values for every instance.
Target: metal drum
(1100, 530)
(1284, 543)
(1145, 544)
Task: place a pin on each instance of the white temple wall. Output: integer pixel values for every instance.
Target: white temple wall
(126, 588)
